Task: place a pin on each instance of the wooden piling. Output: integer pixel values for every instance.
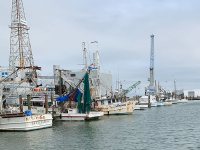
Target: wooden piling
(149, 102)
(29, 102)
(52, 103)
(20, 104)
(46, 104)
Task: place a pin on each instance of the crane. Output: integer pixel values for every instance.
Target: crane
(125, 92)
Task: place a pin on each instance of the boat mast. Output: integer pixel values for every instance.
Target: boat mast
(96, 65)
(85, 56)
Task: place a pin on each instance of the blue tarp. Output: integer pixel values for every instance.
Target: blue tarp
(28, 113)
(62, 98)
(73, 96)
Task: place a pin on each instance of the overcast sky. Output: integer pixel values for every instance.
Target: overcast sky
(122, 29)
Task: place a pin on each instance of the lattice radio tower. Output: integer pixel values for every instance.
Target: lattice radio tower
(20, 48)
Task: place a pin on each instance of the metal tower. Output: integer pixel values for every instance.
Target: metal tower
(152, 62)
(20, 47)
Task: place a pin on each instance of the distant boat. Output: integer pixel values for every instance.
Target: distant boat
(182, 101)
(173, 101)
(73, 108)
(167, 103)
(143, 102)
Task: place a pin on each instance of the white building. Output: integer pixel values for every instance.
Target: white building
(192, 93)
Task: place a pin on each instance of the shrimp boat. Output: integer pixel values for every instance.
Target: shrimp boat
(24, 122)
(14, 119)
(73, 109)
(74, 115)
(114, 107)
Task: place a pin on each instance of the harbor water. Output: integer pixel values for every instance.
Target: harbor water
(161, 128)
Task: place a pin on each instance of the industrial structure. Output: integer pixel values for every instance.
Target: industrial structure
(20, 48)
(151, 89)
(21, 77)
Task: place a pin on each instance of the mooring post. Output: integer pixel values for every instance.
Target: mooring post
(52, 103)
(46, 103)
(20, 103)
(29, 102)
(149, 102)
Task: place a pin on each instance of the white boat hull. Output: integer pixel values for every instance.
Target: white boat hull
(117, 112)
(154, 104)
(143, 106)
(26, 123)
(160, 104)
(183, 101)
(137, 107)
(79, 116)
(167, 103)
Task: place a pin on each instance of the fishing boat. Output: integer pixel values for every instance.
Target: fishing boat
(15, 119)
(145, 100)
(24, 122)
(72, 108)
(113, 107)
(74, 115)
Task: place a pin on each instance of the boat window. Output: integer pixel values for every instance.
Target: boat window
(73, 75)
(39, 104)
(50, 104)
(66, 111)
